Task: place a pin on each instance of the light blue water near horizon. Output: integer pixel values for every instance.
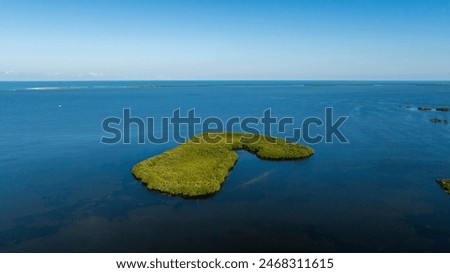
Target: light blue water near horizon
(61, 190)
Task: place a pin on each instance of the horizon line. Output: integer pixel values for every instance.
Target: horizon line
(235, 80)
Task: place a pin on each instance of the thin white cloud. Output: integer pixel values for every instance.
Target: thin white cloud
(95, 74)
(8, 72)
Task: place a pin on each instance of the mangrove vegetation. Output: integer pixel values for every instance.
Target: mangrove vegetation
(199, 166)
(445, 184)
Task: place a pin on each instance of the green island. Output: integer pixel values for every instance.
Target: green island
(445, 184)
(443, 109)
(429, 108)
(199, 166)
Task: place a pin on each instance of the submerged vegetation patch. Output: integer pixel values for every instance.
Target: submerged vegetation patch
(425, 108)
(438, 120)
(199, 166)
(445, 184)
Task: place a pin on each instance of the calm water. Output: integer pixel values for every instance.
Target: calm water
(61, 190)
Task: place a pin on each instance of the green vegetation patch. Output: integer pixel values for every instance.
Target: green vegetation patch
(443, 109)
(199, 166)
(428, 108)
(445, 184)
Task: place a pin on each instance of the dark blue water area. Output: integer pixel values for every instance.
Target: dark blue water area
(61, 190)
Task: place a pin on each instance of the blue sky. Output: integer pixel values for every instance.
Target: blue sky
(204, 40)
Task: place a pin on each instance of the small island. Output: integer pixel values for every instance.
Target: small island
(199, 166)
(443, 109)
(445, 184)
(429, 108)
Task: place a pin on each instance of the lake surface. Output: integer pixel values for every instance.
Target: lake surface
(61, 190)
